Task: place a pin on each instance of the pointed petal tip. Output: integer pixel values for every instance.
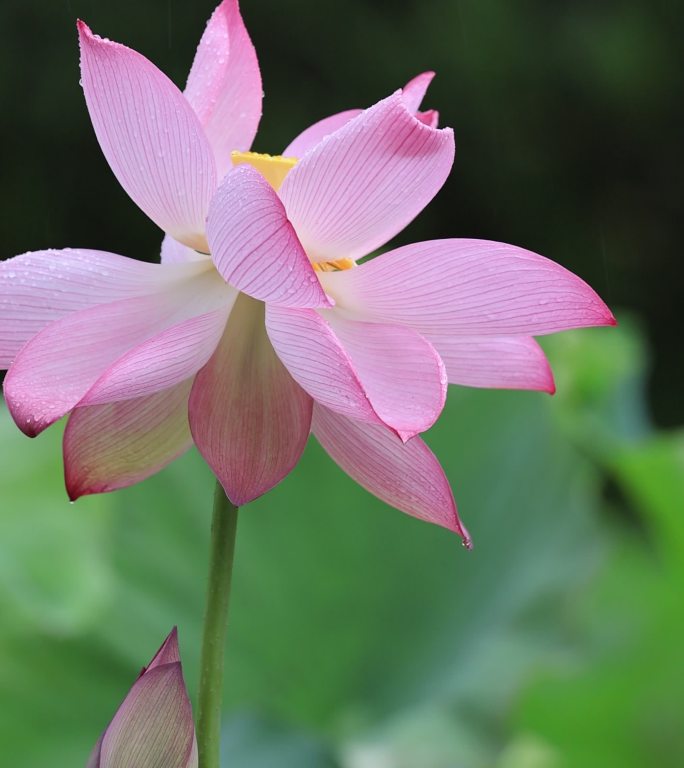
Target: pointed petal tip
(549, 385)
(29, 425)
(423, 79)
(168, 652)
(239, 498)
(456, 525)
(75, 482)
(76, 489)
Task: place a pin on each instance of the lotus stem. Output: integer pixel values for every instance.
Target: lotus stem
(210, 697)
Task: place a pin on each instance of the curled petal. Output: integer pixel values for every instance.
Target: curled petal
(430, 117)
(364, 183)
(255, 247)
(152, 139)
(40, 287)
(468, 288)
(406, 476)
(315, 133)
(414, 91)
(112, 446)
(224, 85)
(249, 418)
(497, 362)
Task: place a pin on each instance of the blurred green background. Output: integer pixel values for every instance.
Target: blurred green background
(360, 638)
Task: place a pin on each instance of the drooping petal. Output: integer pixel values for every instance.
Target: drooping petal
(249, 418)
(364, 183)
(161, 362)
(414, 91)
(40, 287)
(112, 446)
(58, 366)
(153, 727)
(255, 247)
(173, 252)
(315, 133)
(315, 357)
(405, 475)
(468, 288)
(497, 362)
(368, 371)
(400, 371)
(150, 135)
(224, 85)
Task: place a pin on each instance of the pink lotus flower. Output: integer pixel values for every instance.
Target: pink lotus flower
(153, 727)
(278, 331)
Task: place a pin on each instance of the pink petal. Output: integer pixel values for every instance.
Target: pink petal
(429, 117)
(249, 419)
(468, 288)
(414, 91)
(402, 374)
(163, 361)
(364, 183)
(112, 446)
(173, 252)
(151, 137)
(498, 362)
(57, 367)
(153, 726)
(373, 372)
(255, 247)
(317, 361)
(406, 476)
(224, 86)
(315, 133)
(40, 287)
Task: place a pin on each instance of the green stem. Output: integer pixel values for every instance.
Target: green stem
(223, 529)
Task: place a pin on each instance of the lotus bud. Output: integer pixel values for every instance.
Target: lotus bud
(153, 727)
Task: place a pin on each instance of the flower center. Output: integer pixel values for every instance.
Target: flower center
(274, 168)
(333, 266)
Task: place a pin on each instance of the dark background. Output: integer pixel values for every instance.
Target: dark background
(568, 122)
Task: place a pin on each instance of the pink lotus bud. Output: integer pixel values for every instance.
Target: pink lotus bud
(153, 727)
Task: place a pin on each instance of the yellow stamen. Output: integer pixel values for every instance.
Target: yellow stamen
(333, 266)
(274, 168)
